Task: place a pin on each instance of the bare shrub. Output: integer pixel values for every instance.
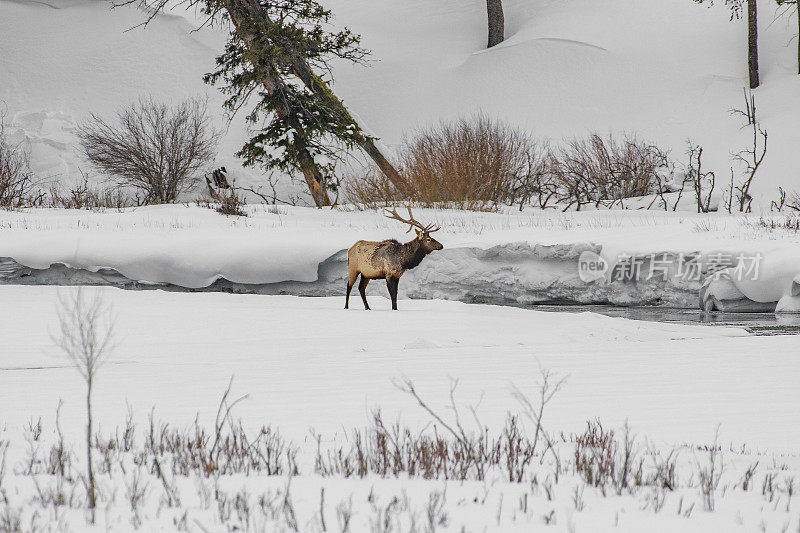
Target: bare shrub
(472, 163)
(225, 200)
(228, 449)
(135, 492)
(595, 454)
(16, 179)
(748, 476)
(157, 149)
(664, 470)
(230, 204)
(3, 453)
(788, 224)
(602, 170)
(710, 472)
(461, 451)
(59, 460)
(450, 451)
(548, 386)
(11, 519)
(626, 476)
(702, 182)
(794, 202)
(371, 190)
(86, 196)
(602, 459)
(751, 157)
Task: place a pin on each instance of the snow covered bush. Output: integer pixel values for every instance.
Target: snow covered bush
(596, 169)
(156, 149)
(474, 163)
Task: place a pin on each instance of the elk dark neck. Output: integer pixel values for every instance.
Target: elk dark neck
(413, 254)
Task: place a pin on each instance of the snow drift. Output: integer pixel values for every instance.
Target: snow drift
(502, 258)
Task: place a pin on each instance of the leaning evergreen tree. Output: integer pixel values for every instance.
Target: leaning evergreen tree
(281, 51)
(296, 126)
(737, 7)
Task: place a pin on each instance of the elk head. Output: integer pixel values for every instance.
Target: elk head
(428, 243)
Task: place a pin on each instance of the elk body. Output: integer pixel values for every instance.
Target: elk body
(388, 259)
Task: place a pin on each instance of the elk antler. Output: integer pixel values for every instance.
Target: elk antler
(430, 228)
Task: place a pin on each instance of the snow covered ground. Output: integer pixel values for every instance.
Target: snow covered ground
(313, 370)
(307, 364)
(714, 409)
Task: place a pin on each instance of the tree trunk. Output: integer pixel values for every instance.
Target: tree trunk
(313, 178)
(237, 9)
(494, 9)
(319, 88)
(89, 466)
(315, 84)
(798, 37)
(752, 42)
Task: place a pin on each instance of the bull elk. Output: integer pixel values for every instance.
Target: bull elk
(388, 259)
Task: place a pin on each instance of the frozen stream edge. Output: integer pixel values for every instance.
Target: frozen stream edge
(508, 274)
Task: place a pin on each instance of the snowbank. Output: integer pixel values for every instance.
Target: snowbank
(509, 257)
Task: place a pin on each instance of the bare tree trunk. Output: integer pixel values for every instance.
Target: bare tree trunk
(798, 36)
(383, 164)
(237, 9)
(313, 178)
(494, 10)
(89, 465)
(312, 81)
(752, 42)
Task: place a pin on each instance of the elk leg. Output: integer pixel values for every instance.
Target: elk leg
(391, 284)
(347, 296)
(351, 280)
(362, 288)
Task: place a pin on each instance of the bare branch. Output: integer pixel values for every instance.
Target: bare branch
(156, 149)
(86, 331)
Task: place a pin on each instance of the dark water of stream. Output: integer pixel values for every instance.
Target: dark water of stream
(755, 323)
(330, 284)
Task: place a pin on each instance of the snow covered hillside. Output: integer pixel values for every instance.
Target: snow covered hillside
(666, 69)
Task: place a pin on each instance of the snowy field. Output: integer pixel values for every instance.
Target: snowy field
(308, 366)
(711, 411)
(427, 418)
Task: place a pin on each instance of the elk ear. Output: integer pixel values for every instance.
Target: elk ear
(419, 233)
